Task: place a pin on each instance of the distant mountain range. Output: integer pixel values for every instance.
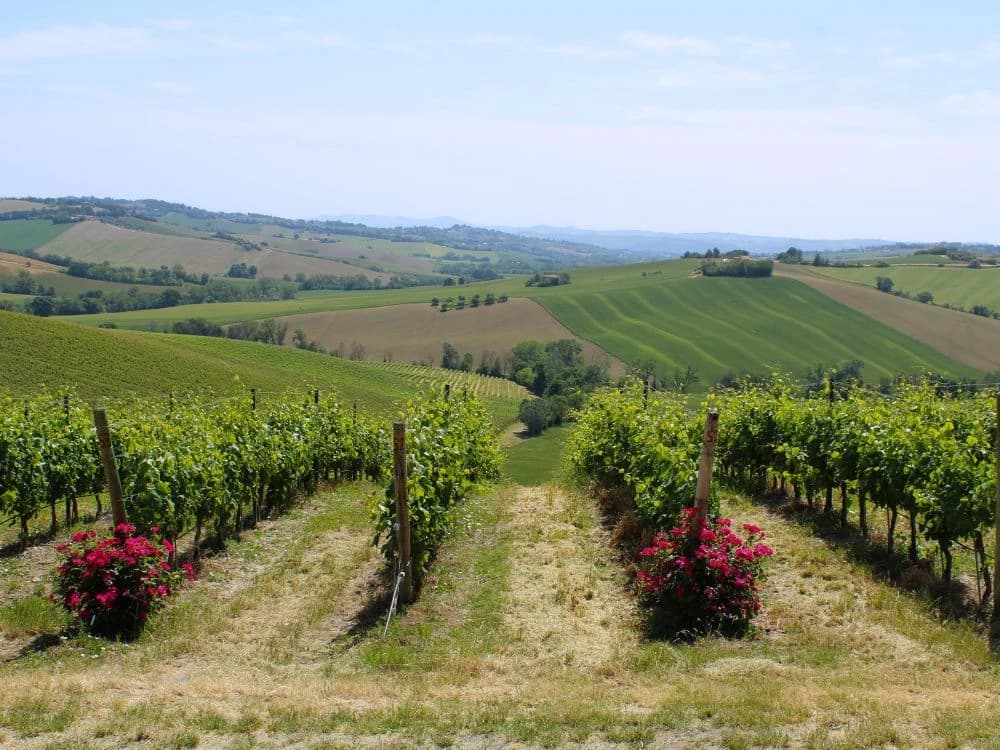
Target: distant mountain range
(391, 222)
(669, 243)
(639, 242)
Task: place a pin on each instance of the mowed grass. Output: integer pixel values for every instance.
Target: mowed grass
(65, 285)
(535, 460)
(966, 338)
(725, 325)
(11, 263)
(223, 313)
(29, 234)
(525, 634)
(416, 332)
(12, 204)
(97, 241)
(955, 285)
(111, 365)
(606, 278)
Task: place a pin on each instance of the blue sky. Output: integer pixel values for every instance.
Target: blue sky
(804, 119)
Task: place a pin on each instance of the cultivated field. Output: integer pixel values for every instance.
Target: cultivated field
(970, 339)
(415, 332)
(721, 325)
(659, 312)
(96, 241)
(7, 205)
(29, 234)
(955, 284)
(10, 264)
(102, 364)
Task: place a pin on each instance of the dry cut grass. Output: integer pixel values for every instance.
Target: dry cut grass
(12, 204)
(11, 264)
(525, 635)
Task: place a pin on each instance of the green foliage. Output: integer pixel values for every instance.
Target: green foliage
(884, 284)
(651, 449)
(450, 450)
(195, 465)
(46, 454)
(916, 453)
(535, 414)
(737, 267)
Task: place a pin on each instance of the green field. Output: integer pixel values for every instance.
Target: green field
(656, 312)
(113, 365)
(607, 278)
(721, 325)
(954, 285)
(537, 460)
(19, 235)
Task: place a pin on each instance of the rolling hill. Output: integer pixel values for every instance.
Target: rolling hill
(970, 339)
(954, 284)
(112, 365)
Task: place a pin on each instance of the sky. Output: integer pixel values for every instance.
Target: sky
(820, 119)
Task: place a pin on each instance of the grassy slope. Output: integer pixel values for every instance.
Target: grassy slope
(720, 325)
(102, 364)
(12, 204)
(967, 338)
(416, 331)
(96, 241)
(657, 312)
(609, 278)
(29, 234)
(956, 285)
(524, 633)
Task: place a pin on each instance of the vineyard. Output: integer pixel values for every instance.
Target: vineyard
(920, 457)
(184, 469)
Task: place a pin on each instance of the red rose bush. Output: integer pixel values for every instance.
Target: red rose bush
(701, 576)
(114, 584)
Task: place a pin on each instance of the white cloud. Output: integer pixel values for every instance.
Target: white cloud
(662, 44)
(585, 52)
(980, 102)
(172, 24)
(758, 47)
(75, 41)
(315, 39)
(890, 57)
(497, 41)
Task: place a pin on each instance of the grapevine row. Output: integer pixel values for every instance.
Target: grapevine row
(929, 458)
(199, 465)
(450, 449)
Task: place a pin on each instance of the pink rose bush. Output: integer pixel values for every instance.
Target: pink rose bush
(702, 576)
(113, 584)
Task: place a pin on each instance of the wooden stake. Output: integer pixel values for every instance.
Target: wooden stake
(403, 550)
(708, 442)
(253, 399)
(995, 619)
(110, 470)
(316, 396)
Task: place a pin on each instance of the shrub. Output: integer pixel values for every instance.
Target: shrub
(113, 584)
(702, 576)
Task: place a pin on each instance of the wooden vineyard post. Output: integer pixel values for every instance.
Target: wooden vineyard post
(995, 618)
(708, 442)
(316, 396)
(110, 470)
(253, 399)
(403, 551)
